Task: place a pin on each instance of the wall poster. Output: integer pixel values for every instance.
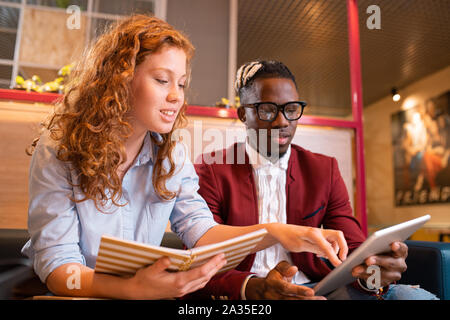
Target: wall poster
(421, 148)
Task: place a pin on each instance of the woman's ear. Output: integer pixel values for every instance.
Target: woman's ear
(241, 114)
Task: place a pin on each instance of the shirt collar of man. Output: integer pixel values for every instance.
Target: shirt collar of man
(258, 161)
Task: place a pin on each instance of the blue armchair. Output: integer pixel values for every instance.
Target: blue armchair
(429, 266)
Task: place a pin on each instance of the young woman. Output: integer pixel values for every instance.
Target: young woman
(107, 164)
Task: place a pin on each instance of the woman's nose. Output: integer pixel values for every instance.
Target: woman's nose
(175, 94)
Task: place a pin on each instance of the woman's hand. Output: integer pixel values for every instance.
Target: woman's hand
(154, 282)
(326, 243)
(323, 242)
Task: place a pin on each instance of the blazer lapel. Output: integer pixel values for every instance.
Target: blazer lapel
(246, 189)
(291, 187)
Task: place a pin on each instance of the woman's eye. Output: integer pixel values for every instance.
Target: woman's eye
(182, 86)
(162, 81)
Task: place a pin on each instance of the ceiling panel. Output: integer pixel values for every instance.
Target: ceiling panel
(414, 41)
(311, 38)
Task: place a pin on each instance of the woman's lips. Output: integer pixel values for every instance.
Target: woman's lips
(168, 115)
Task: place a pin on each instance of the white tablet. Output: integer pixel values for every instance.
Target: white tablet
(379, 242)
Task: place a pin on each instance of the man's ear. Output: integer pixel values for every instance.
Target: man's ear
(241, 114)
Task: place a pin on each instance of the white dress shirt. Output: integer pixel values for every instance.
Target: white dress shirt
(270, 182)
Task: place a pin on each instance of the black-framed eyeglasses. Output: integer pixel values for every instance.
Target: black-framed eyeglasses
(268, 111)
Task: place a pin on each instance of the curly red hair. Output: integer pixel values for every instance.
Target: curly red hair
(90, 124)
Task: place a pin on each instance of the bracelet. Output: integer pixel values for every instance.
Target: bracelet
(364, 287)
(244, 286)
(376, 292)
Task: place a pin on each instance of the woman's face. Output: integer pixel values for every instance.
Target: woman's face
(158, 90)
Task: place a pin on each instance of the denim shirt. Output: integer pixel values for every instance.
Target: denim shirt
(63, 231)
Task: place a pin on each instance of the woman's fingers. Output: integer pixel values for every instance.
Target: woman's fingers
(330, 242)
(324, 246)
(209, 271)
(161, 264)
(205, 270)
(198, 277)
(174, 284)
(341, 244)
(323, 242)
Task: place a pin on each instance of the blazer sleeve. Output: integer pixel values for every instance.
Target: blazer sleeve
(209, 190)
(339, 214)
(227, 284)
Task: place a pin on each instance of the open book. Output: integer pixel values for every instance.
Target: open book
(122, 257)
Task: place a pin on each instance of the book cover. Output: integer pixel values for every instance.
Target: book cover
(124, 257)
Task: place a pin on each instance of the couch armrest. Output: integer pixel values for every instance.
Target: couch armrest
(429, 266)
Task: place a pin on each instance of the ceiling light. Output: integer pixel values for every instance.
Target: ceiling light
(395, 94)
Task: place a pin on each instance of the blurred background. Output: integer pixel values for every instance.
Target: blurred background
(405, 77)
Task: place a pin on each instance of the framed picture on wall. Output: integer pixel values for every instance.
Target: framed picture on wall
(421, 148)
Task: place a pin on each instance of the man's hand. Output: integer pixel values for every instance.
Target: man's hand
(392, 264)
(277, 286)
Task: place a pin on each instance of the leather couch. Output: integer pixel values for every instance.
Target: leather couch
(429, 266)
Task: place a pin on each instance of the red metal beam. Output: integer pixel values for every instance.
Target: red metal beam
(357, 109)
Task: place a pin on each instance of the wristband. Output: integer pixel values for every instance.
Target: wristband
(376, 292)
(244, 286)
(364, 286)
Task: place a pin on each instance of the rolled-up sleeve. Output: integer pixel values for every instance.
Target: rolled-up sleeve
(191, 217)
(53, 221)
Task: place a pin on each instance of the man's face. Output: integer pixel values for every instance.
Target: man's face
(279, 91)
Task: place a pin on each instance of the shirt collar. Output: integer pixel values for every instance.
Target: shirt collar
(148, 148)
(258, 161)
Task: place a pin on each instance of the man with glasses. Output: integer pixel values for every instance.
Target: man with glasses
(282, 182)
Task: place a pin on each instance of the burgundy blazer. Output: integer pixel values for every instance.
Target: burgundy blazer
(315, 195)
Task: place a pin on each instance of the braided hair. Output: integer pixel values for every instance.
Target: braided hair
(251, 71)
